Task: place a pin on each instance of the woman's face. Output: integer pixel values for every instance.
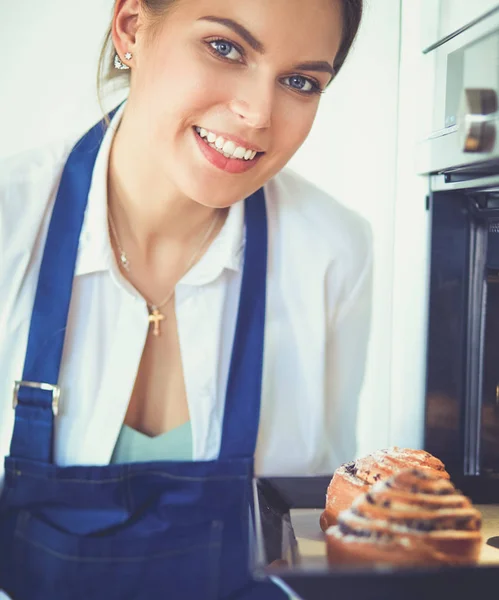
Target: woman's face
(249, 73)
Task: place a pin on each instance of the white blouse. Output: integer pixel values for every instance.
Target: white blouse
(316, 331)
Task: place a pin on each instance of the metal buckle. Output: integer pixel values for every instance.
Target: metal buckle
(48, 387)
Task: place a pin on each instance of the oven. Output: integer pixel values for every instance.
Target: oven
(461, 160)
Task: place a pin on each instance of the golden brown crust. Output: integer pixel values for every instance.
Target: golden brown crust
(355, 478)
(341, 492)
(414, 517)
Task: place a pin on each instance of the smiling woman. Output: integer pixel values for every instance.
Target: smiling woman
(234, 64)
(183, 312)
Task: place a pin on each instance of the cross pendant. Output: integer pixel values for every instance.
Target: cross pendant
(155, 319)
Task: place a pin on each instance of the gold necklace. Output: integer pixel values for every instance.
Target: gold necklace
(155, 315)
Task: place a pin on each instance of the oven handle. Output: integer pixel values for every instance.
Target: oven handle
(479, 110)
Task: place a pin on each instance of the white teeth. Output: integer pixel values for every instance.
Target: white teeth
(227, 148)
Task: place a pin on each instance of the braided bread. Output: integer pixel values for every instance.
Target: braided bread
(415, 517)
(355, 478)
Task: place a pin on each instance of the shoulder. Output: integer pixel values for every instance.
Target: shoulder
(28, 185)
(332, 231)
(28, 181)
(31, 167)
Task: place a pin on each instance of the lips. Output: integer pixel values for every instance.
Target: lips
(217, 159)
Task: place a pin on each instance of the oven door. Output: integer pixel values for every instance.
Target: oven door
(462, 391)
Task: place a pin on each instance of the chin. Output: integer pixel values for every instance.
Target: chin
(210, 202)
(214, 195)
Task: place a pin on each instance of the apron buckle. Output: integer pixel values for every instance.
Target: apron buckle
(48, 387)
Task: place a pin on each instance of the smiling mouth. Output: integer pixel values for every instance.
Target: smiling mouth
(226, 148)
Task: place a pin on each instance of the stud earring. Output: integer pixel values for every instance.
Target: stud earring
(119, 64)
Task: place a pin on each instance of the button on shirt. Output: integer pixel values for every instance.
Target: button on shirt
(316, 332)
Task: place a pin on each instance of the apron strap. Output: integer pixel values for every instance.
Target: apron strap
(36, 396)
(244, 386)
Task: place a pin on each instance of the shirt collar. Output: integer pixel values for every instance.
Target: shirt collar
(95, 251)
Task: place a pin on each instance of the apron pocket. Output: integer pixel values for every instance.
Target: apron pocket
(55, 563)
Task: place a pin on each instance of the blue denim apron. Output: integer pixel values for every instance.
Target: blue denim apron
(132, 531)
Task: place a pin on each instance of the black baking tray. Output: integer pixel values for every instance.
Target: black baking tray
(276, 555)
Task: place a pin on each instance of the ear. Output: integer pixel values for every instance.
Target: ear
(125, 25)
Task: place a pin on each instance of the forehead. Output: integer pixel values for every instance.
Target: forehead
(311, 29)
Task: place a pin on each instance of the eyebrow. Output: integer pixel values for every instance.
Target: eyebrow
(321, 66)
(239, 29)
(317, 65)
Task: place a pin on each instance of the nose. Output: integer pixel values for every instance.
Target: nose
(253, 103)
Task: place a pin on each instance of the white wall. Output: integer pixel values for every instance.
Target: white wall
(50, 51)
(352, 153)
(48, 86)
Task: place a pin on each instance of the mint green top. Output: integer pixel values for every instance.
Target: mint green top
(133, 446)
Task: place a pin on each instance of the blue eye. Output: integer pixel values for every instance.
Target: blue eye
(303, 84)
(298, 82)
(225, 49)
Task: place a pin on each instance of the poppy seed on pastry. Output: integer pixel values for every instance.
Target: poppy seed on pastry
(414, 528)
(357, 477)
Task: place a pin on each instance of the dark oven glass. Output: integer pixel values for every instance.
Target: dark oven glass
(490, 390)
(462, 400)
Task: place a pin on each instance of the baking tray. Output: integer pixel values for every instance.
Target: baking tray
(290, 549)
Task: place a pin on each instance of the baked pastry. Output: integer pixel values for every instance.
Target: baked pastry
(355, 478)
(415, 517)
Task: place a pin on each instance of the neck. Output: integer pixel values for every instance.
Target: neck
(144, 206)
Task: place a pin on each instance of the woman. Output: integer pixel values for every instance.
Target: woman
(146, 270)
